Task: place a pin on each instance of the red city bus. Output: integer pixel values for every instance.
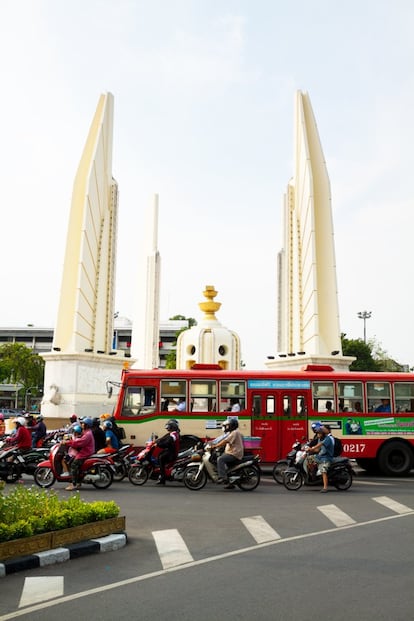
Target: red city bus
(372, 413)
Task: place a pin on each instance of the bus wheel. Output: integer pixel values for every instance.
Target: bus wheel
(369, 465)
(395, 459)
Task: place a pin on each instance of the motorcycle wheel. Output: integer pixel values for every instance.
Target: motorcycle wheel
(120, 472)
(106, 477)
(249, 480)
(292, 480)
(138, 474)
(278, 471)
(13, 473)
(343, 480)
(44, 477)
(194, 478)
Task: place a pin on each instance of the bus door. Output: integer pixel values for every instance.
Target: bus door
(266, 423)
(278, 418)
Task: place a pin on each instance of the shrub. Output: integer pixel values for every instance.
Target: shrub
(28, 511)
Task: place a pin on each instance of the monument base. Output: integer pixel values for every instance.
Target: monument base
(296, 363)
(76, 384)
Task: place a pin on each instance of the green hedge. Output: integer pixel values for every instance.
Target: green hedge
(25, 512)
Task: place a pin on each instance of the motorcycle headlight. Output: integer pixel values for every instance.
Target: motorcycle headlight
(196, 457)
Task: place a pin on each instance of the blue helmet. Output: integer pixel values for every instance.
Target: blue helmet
(87, 421)
(316, 426)
(77, 429)
(108, 424)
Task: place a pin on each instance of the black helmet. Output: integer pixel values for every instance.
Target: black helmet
(232, 424)
(171, 426)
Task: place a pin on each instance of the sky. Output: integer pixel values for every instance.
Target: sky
(204, 105)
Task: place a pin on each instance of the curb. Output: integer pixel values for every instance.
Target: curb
(60, 555)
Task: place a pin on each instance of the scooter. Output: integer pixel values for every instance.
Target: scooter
(14, 462)
(340, 473)
(97, 469)
(122, 461)
(146, 465)
(246, 474)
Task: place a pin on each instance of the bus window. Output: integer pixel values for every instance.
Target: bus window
(139, 400)
(379, 395)
(323, 393)
(229, 392)
(257, 405)
(287, 408)
(350, 397)
(301, 409)
(171, 392)
(203, 395)
(270, 405)
(404, 397)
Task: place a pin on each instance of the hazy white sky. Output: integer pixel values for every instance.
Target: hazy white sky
(204, 94)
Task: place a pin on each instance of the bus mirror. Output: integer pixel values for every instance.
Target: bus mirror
(109, 390)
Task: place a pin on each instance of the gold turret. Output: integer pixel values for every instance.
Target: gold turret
(210, 307)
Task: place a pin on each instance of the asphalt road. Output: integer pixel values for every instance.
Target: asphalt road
(269, 554)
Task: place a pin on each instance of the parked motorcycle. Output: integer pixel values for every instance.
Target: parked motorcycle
(246, 474)
(146, 465)
(282, 464)
(14, 463)
(340, 473)
(97, 470)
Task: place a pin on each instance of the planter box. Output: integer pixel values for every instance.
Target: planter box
(59, 538)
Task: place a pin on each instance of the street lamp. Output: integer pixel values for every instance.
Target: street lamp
(365, 315)
(27, 394)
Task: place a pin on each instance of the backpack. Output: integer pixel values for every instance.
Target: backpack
(337, 447)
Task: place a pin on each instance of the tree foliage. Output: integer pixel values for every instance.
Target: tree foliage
(20, 365)
(369, 356)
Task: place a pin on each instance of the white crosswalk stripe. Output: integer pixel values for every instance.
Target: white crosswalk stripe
(336, 515)
(259, 529)
(40, 589)
(392, 504)
(171, 548)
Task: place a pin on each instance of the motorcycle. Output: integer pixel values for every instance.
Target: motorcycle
(146, 465)
(97, 469)
(14, 462)
(122, 461)
(340, 473)
(246, 474)
(282, 464)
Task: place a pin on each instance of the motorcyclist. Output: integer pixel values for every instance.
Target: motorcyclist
(85, 446)
(2, 425)
(233, 451)
(111, 441)
(170, 443)
(98, 434)
(38, 431)
(22, 438)
(324, 450)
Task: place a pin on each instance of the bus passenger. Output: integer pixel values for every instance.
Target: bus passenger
(234, 405)
(181, 407)
(384, 407)
(328, 406)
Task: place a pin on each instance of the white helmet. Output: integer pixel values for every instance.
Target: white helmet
(21, 420)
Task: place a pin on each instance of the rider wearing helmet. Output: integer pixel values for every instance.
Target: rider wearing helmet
(22, 438)
(233, 451)
(111, 441)
(170, 443)
(85, 447)
(38, 431)
(2, 425)
(98, 434)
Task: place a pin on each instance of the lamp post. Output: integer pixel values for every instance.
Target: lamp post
(26, 395)
(365, 315)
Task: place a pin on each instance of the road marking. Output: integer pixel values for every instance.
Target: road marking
(40, 589)
(211, 559)
(359, 482)
(259, 529)
(392, 504)
(171, 548)
(336, 516)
